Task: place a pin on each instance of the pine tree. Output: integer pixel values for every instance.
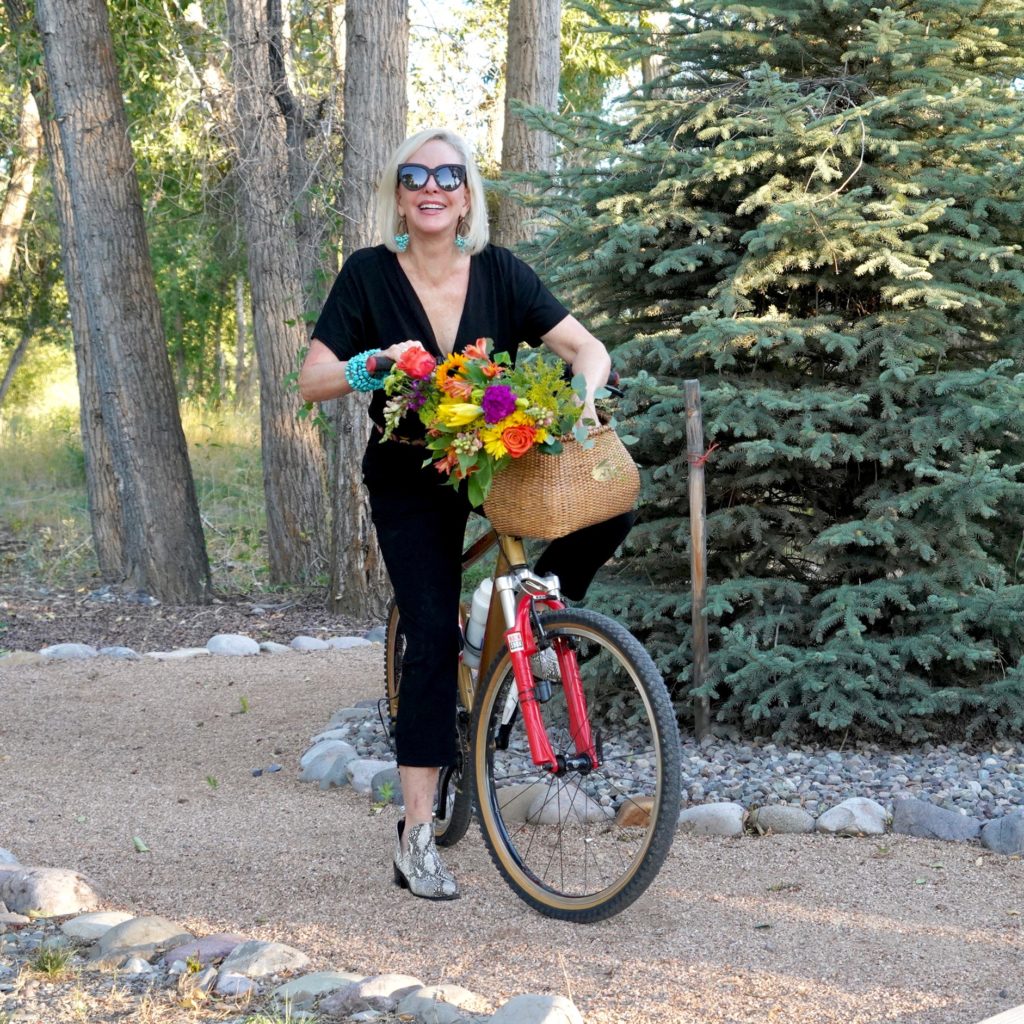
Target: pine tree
(817, 211)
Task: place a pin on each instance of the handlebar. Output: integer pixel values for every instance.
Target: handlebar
(379, 365)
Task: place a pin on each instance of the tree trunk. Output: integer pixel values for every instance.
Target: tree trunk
(15, 361)
(163, 551)
(292, 455)
(534, 59)
(19, 188)
(652, 65)
(101, 484)
(241, 330)
(376, 55)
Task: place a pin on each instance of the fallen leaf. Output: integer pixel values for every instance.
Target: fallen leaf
(140, 846)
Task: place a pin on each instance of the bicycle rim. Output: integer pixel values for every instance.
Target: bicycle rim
(451, 822)
(584, 846)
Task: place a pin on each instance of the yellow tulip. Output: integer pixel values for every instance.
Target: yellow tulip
(458, 414)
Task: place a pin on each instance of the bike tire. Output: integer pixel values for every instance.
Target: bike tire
(450, 827)
(561, 852)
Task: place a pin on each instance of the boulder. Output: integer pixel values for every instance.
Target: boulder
(1005, 834)
(538, 1010)
(208, 950)
(233, 645)
(139, 936)
(343, 643)
(309, 643)
(272, 647)
(381, 992)
(566, 804)
(303, 993)
(386, 783)
(781, 819)
(361, 771)
(235, 986)
(68, 652)
(120, 653)
(913, 817)
(49, 892)
(90, 927)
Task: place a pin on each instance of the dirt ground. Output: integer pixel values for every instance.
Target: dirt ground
(798, 929)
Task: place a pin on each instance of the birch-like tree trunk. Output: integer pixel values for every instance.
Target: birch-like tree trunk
(163, 550)
(376, 56)
(19, 186)
(293, 461)
(534, 60)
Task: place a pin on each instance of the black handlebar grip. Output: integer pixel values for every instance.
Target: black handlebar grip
(378, 364)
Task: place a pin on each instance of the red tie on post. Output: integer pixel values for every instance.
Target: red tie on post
(698, 456)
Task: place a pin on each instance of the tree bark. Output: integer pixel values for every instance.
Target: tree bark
(534, 60)
(376, 56)
(292, 456)
(163, 551)
(19, 188)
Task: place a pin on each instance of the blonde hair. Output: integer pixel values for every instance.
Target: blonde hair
(474, 227)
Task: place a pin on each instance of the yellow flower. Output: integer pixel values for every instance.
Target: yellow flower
(449, 367)
(458, 414)
(494, 447)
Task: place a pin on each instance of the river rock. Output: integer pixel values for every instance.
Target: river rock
(515, 800)
(718, 819)
(69, 652)
(344, 643)
(330, 771)
(181, 654)
(567, 804)
(90, 927)
(326, 748)
(273, 647)
(1005, 834)
(6, 857)
(302, 993)
(913, 817)
(235, 986)
(379, 992)
(538, 1010)
(781, 819)
(140, 936)
(257, 959)
(309, 643)
(439, 1004)
(386, 783)
(233, 645)
(49, 892)
(120, 653)
(362, 770)
(136, 965)
(354, 714)
(377, 635)
(207, 950)
(857, 816)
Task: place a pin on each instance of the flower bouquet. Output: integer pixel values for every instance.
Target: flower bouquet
(481, 413)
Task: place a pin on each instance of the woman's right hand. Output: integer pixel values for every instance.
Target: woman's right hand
(394, 351)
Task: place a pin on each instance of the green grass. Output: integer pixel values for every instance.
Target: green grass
(45, 532)
(51, 960)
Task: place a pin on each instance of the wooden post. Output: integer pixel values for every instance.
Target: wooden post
(698, 552)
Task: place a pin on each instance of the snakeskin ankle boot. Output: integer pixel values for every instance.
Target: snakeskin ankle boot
(420, 869)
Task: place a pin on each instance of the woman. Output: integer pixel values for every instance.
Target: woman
(436, 283)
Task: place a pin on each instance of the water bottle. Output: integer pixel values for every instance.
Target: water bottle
(477, 623)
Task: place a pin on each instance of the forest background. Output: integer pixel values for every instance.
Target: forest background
(815, 208)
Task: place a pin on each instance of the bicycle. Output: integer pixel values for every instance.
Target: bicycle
(576, 777)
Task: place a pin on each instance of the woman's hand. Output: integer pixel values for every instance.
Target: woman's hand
(394, 351)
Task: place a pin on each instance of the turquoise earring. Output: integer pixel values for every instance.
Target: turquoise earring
(402, 239)
(460, 239)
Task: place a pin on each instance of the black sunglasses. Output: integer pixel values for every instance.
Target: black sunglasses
(447, 176)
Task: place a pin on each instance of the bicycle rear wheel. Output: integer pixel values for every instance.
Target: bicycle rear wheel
(452, 821)
(584, 846)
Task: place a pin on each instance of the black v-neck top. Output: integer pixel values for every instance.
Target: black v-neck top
(372, 304)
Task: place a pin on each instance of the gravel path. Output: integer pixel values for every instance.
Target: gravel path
(792, 928)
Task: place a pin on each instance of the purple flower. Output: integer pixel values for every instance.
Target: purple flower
(498, 402)
(417, 396)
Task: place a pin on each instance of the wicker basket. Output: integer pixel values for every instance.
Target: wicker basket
(548, 496)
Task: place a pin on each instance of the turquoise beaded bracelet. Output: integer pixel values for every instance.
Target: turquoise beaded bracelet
(358, 377)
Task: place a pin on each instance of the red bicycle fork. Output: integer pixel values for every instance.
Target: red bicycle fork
(522, 646)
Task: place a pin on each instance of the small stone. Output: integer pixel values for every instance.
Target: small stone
(272, 647)
(386, 786)
(919, 818)
(176, 967)
(6, 857)
(68, 652)
(377, 635)
(309, 643)
(1005, 834)
(233, 645)
(328, 749)
(48, 892)
(90, 927)
(538, 1010)
(362, 770)
(139, 936)
(257, 959)
(121, 653)
(717, 819)
(857, 816)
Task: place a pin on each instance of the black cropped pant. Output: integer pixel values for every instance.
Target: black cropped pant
(420, 522)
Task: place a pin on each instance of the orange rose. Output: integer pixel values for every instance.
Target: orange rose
(416, 362)
(518, 440)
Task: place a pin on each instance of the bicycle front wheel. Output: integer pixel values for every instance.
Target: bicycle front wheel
(584, 845)
(451, 821)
